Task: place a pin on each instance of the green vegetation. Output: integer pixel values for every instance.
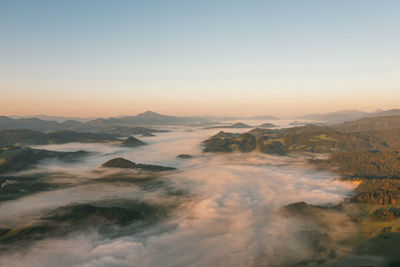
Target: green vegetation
(148, 135)
(272, 145)
(244, 143)
(80, 216)
(23, 137)
(132, 142)
(365, 164)
(370, 124)
(320, 231)
(385, 214)
(365, 151)
(124, 130)
(28, 137)
(14, 187)
(343, 234)
(378, 191)
(17, 158)
(184, 156)
(309, 138)
(127, 164)
(323, 137)
(80, 213)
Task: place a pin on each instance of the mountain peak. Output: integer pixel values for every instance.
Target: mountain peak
(149, 112)
(151, 115)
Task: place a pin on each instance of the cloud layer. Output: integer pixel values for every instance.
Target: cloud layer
(231, 218)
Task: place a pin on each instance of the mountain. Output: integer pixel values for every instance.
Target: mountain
(14, 158)
(75, 217)
(309, 138)
(267, 125)
(231, 118)
(150, 118)
(30, 123)
(97, 126)
(336, 117)
(262, 117)
(23, 137)
(367, 164)
(119, 125)
(125, 130)
(53, 118)
(40, 125)
(132, 142)
(240, 125)
(127, 164)
(237, 125)
(153, 118)
(348, 115)
(390, 112)
(370, 124)
(150, 115)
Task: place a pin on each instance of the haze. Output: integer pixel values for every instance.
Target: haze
(102, 58)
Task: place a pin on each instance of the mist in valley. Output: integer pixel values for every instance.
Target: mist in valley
(228, 211)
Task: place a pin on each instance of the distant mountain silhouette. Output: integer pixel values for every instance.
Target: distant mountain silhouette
(370, 124)
(150, 118)
(117, 125)
(390, 112)
(262, 117)
(237, 125)
(111, 126)
(348, 115)
(268, 125)
(336, 117)
(23, 137)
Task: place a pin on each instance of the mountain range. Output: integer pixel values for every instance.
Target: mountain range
(117, 125)
(347, 115)
(136, 124)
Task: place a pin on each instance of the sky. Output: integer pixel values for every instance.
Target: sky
(109, 58)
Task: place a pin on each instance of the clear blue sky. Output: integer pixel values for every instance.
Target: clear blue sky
(104, 58)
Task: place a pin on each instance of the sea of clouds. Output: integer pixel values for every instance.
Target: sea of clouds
(231, 218)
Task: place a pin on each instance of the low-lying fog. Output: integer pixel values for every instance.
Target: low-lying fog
(230, 219)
